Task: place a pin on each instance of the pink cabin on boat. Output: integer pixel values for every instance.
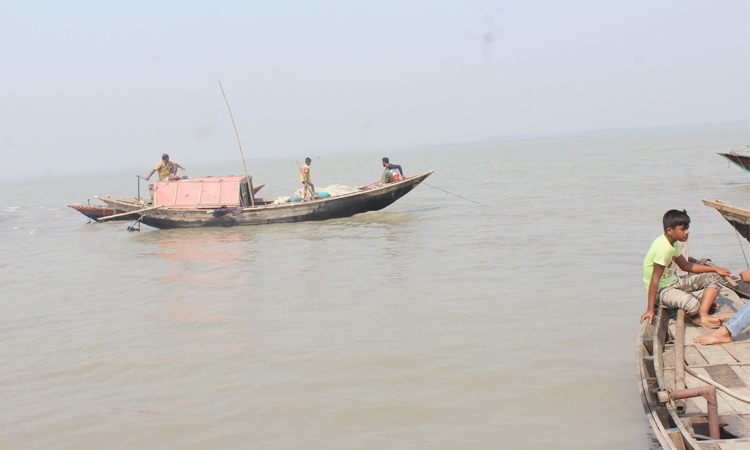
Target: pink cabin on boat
(201, 192)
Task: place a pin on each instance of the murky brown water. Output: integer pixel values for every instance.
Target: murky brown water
(436, 323)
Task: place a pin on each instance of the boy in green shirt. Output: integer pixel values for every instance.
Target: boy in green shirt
(676, 291)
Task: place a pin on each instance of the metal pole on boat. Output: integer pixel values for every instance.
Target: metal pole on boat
(249, 186)
(712, 406)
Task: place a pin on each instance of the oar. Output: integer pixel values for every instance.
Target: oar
(127, 213)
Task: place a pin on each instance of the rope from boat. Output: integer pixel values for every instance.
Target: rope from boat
(743, 248)
(451, 193)
(725, 389)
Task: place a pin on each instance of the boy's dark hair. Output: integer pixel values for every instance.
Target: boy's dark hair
(674, 218)
(308, 160)
(164, 156)
(385, 160)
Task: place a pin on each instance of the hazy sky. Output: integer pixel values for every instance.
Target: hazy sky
(100, 85)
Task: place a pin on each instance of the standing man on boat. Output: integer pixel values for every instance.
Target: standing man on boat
(304, 175)
(167, 170)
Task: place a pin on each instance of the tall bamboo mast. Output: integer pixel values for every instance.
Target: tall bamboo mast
(249, 186)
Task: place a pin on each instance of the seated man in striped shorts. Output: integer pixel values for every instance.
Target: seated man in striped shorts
(664, 288)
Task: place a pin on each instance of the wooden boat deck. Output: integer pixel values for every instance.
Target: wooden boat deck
(726, 364)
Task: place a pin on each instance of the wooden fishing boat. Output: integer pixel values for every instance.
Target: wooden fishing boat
(208, 189)
(741, 161)
(738, 216)
(180, 205)
(674, 373)
(114, 206)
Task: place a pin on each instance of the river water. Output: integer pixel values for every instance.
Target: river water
(436, 323)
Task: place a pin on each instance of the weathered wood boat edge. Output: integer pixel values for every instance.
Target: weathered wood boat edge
(669, 426)
(741, 161)
(325, 209)
(737, 216)
(650, 343)
(96, 212)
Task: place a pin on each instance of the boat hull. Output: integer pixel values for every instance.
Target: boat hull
(96, 212)
(741, 161)
(329, 208)
(737, 216)
(678, 428)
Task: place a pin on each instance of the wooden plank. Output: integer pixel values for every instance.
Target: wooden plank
(668, 375)
(127, 213)
(743, 373)
(696, 366)
(738, 405)
(736, 425)
(707, 445)
(725, 376)
(734, 444)
(648, 344)
(692, 406)
(714, 354)
(691, 382)
(739, 350)
(724, 405)
(732, 296)
(693, 357)
(675, 436)
(734, 304)
(687, 424)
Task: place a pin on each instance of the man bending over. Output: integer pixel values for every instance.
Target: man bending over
(167, 170)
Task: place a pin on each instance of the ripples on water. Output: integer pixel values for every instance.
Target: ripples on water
(436, 323)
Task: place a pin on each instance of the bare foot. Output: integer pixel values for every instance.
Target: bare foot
(715, 337)
(714, 307)
(708, 321)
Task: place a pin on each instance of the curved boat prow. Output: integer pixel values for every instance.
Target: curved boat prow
(738, 216)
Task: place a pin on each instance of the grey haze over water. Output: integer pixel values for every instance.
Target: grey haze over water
(436, 323)
(107, 86)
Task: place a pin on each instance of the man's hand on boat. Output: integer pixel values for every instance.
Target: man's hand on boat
(723, 272)
(648, 315)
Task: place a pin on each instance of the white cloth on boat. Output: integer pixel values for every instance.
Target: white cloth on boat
(333, 190)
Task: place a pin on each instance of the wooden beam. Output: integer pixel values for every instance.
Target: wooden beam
(127, 213)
